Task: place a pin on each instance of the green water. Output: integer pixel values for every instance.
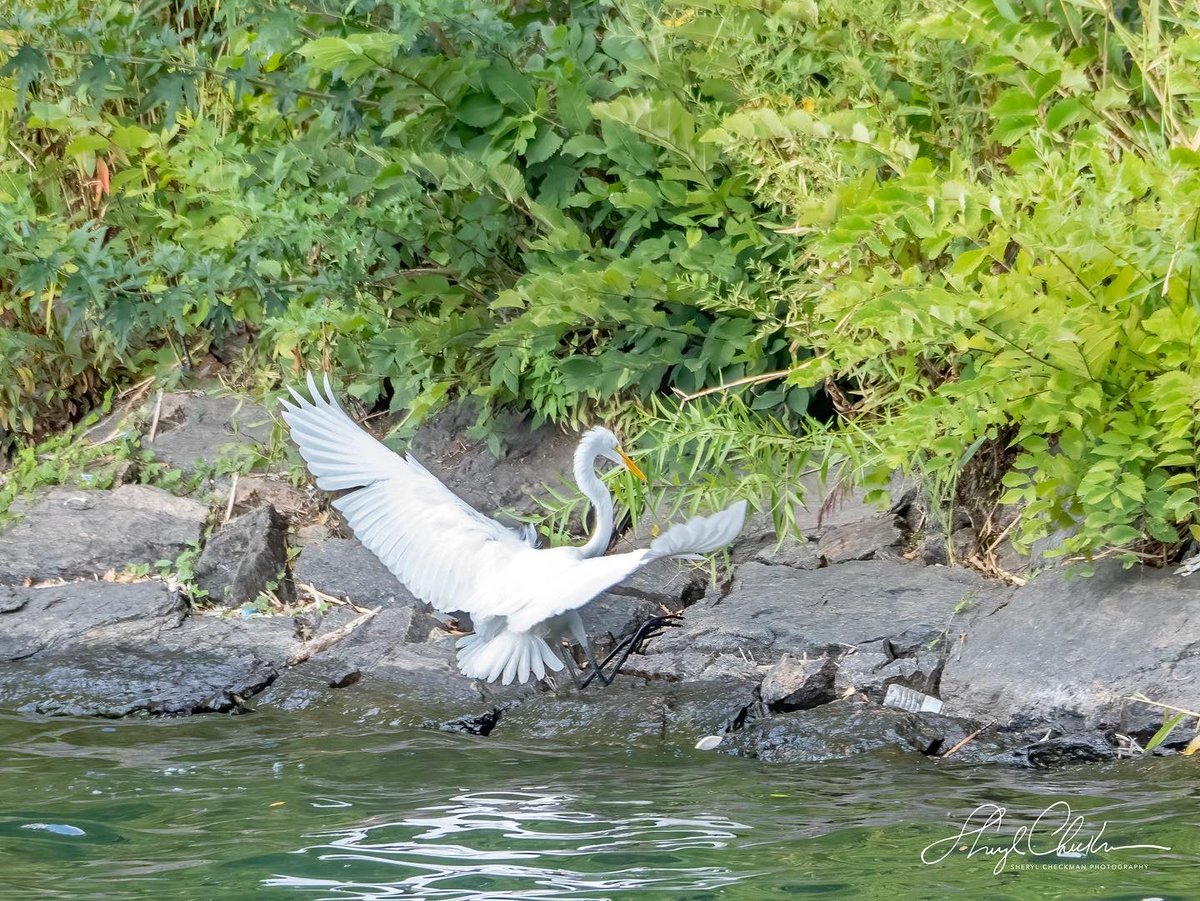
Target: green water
(318, 806)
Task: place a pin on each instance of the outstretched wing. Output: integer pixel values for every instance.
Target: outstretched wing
(433, 541)
(588, 577)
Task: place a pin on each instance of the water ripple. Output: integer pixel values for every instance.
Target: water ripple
(519, 844)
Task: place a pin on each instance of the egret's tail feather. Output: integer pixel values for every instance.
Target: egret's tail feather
(701, 534)
(506, 657)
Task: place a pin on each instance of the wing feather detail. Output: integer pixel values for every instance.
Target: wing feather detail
(433, 542)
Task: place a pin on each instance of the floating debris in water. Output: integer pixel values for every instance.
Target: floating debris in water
(708, 742)
(330, 802)
(903, 698)
(56, 828)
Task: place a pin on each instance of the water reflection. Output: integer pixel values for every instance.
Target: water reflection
(519, 844)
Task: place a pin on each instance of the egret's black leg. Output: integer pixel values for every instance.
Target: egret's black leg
(569, 659)
(597, 669)
(649, 629)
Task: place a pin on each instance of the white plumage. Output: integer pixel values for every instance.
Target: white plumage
(520, 599)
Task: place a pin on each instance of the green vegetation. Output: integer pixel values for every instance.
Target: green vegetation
(950, 238)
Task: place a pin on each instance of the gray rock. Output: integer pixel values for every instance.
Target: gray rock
(343, 568)
(611, 617)
(877, 537)
(935, 550)
(245, 558)
(110, 649)
(621, 715)
(532, 457)
(38, 620)
(402, 652)
(628, 714)
(198, 428)
(686, 665)
(832, 731)
(914, 642)
(66, 533)
(773, 610)
(134, 678)
(789, 552)
(1069, 654)
(668, 584)
(799, 684)
(859, 672)
(312, 533)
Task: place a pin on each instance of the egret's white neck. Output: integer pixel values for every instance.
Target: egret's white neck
(596, 492)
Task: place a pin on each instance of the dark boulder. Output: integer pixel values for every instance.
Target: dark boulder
(110, 649)
(847, 728)
(629, 713)
(246, 558)
(1079, 747)
(799, 683)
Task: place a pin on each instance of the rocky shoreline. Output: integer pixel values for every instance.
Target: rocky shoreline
(788, 659)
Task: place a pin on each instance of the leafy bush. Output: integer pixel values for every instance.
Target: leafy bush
(967, 230)
(1003, 259)
(508, 205)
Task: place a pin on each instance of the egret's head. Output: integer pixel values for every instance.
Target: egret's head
(600, 442)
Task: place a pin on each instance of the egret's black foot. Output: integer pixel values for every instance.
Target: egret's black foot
(632, 644)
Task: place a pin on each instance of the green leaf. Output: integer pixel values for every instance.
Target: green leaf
(1121, 534)
(1164, 731)
(663, 122)
(95, 78)
(87, 144)
(1064, 113)
(174, 91)
(479, 110)
(28, 64)
(131, 137)
(351, 56)
(510, 86)
(581, 145)
(544, 145)
(509, 180)
(573, 104)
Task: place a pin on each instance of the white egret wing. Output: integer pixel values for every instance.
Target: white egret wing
(434, 542)
(590, 576)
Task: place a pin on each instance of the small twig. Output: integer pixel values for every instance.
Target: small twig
(157, 414)
(319, 644)
(319, 595)
(32, 165)
(232, 498)
(736, 383)
(119, 413)
(967, 740)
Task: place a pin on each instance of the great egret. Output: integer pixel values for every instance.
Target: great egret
(520, 598)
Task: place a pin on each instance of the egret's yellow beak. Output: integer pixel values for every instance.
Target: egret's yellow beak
(631, 466)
